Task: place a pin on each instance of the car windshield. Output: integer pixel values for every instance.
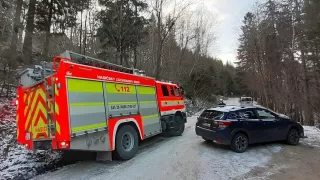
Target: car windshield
(211, 114)
(246, 99)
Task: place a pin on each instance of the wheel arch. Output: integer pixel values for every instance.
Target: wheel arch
(130, 121)
(180, 113)
(237, 131)
(293, 126)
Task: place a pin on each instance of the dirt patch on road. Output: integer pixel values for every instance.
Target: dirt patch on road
(293, 162)
(301, 162)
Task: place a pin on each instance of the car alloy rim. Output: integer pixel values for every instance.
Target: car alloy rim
(127, 141)
(294, 136)
(241, 143)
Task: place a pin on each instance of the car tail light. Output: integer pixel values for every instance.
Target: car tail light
(223, 124)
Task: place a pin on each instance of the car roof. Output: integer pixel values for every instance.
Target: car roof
(231, 108)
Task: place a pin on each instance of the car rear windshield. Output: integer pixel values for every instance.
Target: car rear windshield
(246, 99)
(211, 114)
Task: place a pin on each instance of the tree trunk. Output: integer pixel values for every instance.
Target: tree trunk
(135, 57)
(15, 34)
(80, 45)
(135, 60)
(27, 45)
(48, 28)
(85, 36)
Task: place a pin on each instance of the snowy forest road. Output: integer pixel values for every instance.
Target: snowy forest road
(187, 157)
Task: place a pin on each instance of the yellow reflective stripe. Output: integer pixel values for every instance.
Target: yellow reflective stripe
(150, 116)
(87, 104)
(56, 91)
(148, 102)
(88, 127)
(28, 106)
(120, 88)
(119, 103)
(79, 85)
(56, 108)
(58, 127)
(146, 90)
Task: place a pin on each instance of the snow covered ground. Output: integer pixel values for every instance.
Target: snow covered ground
(313, 135)
(15, 161)
(185, 157)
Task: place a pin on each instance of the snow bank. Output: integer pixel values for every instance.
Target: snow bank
(313, 136)
(197, 106)
(16, 161)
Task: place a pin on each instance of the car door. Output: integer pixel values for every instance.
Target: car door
(282, 128)
(252, 125)
(269, 122)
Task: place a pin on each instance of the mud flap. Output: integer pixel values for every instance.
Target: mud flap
(104, 156)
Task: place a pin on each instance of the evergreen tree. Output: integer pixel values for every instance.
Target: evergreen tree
(121, 26)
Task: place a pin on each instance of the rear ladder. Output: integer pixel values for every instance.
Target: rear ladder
(50, 101)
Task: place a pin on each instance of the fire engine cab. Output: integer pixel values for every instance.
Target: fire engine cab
(81, 103)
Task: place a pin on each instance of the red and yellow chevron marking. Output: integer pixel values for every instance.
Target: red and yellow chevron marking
(36, 112)
(56, 108)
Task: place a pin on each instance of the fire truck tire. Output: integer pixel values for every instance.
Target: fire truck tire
(127, 141)
(178, 127)
(165, 129)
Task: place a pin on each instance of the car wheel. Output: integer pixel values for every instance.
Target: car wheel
(206, 139)
(239, 143)
(293, 137)
(126, 143)
(178, 126)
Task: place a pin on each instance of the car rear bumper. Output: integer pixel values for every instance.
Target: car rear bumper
(213, 135)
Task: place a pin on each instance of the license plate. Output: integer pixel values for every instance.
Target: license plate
(206, 124)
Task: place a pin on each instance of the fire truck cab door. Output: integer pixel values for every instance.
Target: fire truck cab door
(149, 110)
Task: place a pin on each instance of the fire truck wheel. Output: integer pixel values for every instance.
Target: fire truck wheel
(178, 126)
(126, 142)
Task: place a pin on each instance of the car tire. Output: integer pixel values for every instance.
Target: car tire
(293, 137)
(127, 141)
(206, 139)
(239, 143)
(178, 126)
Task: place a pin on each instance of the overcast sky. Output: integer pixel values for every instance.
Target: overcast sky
(230, 15)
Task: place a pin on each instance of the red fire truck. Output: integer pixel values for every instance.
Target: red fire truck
(80, 103)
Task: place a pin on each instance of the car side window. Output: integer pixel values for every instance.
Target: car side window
(264, 114)
(247, 114)
(233, 115)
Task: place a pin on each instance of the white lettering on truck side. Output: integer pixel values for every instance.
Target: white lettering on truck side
(107, 78)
